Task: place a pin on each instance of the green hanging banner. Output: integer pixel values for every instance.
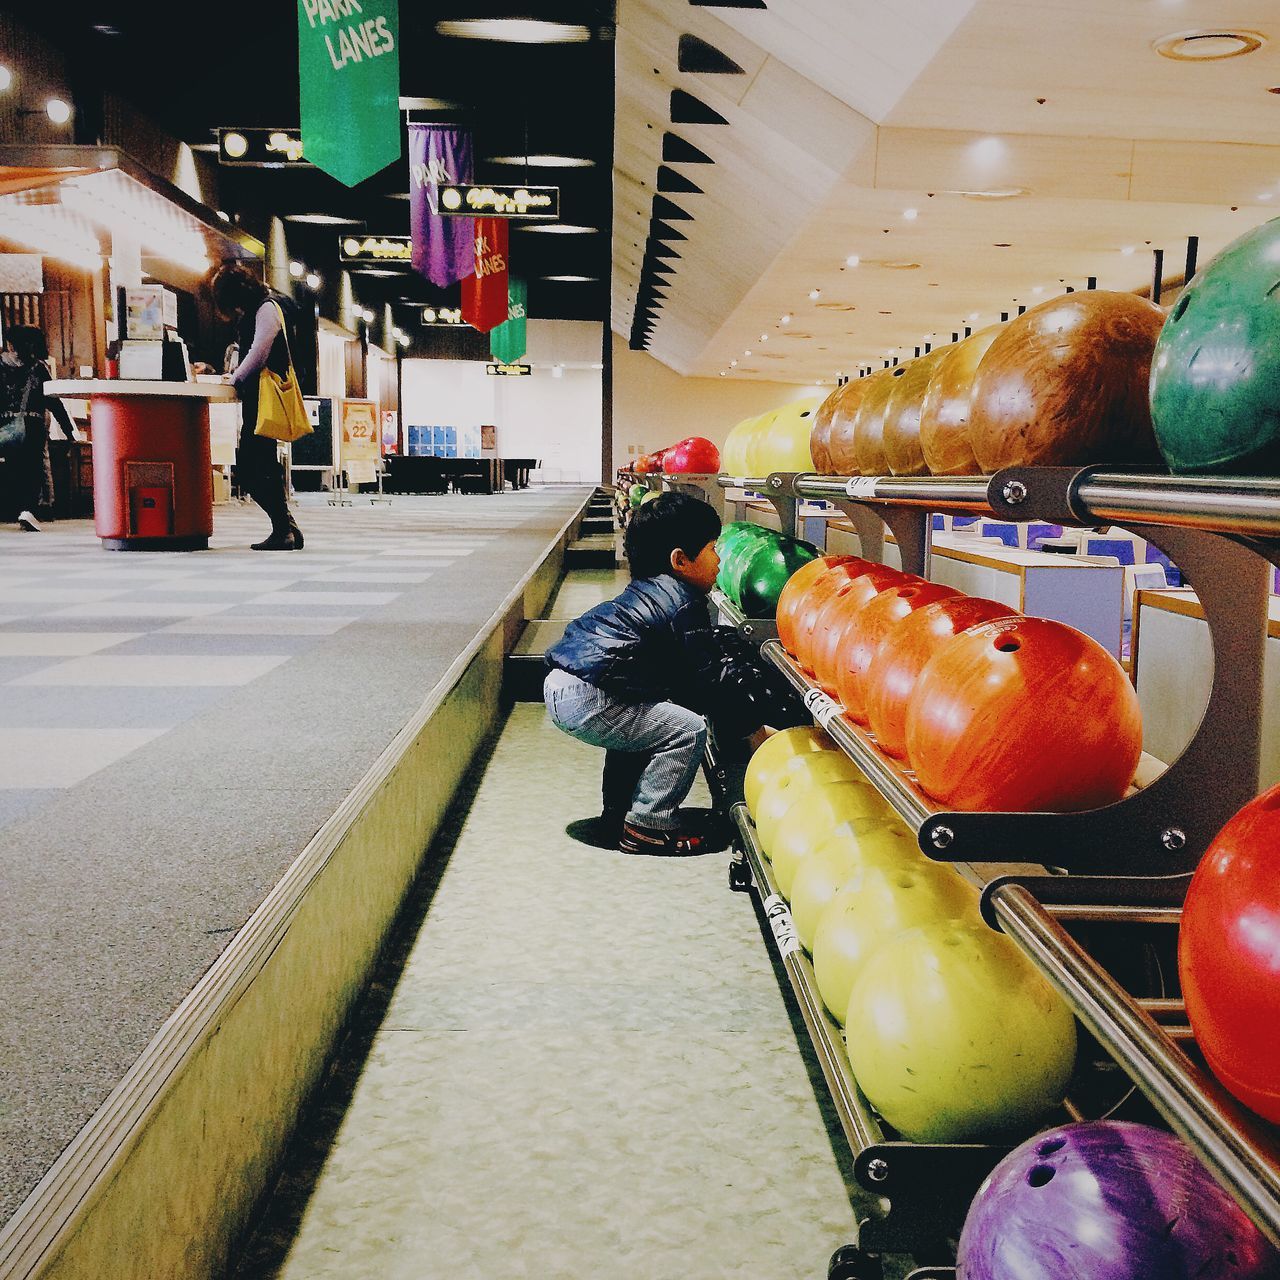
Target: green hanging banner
(349, 85)
(507, 341)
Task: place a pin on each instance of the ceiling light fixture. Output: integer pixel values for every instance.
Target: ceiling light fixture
(57, 110)
(973, 315)
(1210, 44)
(1127, 250)
(297, 270)
(545, 160)
(572, 279)
(989, 193)
(1265, 195)
(235, 144)
(746, 353)
(366, 315)
(911, 214)
(6, 78)
(514, 30)
(1038, 289)
(403, 339)
(733, 364)
(318, 219)
(764, 337)
(223, 215)
(785, 319)
(559, 228)
(814, 294)
(313, 280)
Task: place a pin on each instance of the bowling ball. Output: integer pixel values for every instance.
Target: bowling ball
(645, 464)
(635, 495)
(765, 574)
(734, 545)
(902, 416)
(808, 823)
(774, 753)
(1023, 714)
(818, 768)
(792, 598)
(879, 841)
(1229, 954)
(784, 443)
(876, 903)
(1066, 384)
(754, 456)
(820, 433)
(1108, 1200)
(900, 658)
(839, 615)
(868, 427)
(694, 456)
(873, 625)
(733, 456)
(944, 416)
(841, 437)
(1215, 380)
(954, 1036)
(818, 594)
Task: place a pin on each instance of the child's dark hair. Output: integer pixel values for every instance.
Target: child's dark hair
(661, 525)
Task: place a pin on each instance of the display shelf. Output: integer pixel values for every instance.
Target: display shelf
(924, 1188)
(1241, 1150)
(757, 630)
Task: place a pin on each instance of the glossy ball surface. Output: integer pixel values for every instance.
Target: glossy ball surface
(944, 415)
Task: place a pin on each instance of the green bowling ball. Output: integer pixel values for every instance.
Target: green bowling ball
(635, 495)
(648, 496)
(766, 572)
(734, 546)
(1215, 378)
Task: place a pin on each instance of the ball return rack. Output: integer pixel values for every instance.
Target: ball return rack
(1042, 875)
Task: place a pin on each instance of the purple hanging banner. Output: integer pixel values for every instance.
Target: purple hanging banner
(443, 248)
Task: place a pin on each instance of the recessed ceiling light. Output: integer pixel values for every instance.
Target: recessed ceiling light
(814, 294)
(722, 373)
(514, 30)
(1209, 44)
(1038, 289)
(223, 215)
(559, 228)
(571, 279)
(785, 319)
(313, 280)
(1265, 195)
(235, 144)
(852, 260)
(911, 214)
(57, 110)
(297, 270)
(320, 219)
(733, 364)
(990, 193)
(764, 337)
(545, 160)
(1127, 250)
(746, 353)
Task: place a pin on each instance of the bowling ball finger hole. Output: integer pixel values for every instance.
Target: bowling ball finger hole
(1041, 1175)
(1180, 309)
(1008, 646)
(1052, 1145)
(1271, 803)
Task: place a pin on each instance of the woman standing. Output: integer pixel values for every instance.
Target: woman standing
(25, 371)
(239, 296)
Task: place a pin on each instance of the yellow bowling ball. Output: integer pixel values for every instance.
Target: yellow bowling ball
(733, 457)
(885, 843)
(775, 753)
(954, 1036)
(784, 442)
(776, 796)
(812, 818)
(754, 456)
(876, 903)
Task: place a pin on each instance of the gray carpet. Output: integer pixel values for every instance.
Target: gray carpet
(173, 729)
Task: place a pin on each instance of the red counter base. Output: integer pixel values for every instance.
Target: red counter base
(151, 471)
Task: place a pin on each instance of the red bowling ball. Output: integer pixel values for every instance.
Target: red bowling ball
(839, 614)
(815, 599)
(796, 592)
(694, 456)
(1229, 955)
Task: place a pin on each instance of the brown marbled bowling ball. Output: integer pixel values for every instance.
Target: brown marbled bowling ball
(868, 427)
(844, 461)
(1066, 384)
(902, 416)
(820, 434)
(944, 417)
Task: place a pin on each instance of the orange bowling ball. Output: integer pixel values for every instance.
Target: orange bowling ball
(944, 416)
(820, 591)
(1026, 715)
(902, 656)
(868, 427)
(838, 614)
(1066, 384)
(792, 598)
(902, 416)
(873, 625)
(820, 433)
(840, 436)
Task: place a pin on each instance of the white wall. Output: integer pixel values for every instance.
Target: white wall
(653, 406)
(556, 420)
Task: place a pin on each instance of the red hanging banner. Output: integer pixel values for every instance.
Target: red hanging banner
(484, 294)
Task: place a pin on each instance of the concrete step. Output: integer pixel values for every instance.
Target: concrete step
(599, 551)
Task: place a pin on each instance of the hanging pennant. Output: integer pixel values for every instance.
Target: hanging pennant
(443, 248)
(349, 86)
(507, 341)
(484, 294)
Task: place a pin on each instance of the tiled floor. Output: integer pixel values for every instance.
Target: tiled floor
(584, 1069)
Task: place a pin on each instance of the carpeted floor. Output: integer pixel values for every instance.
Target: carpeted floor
(173, 729)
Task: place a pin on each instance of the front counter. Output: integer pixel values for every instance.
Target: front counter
(152, 474)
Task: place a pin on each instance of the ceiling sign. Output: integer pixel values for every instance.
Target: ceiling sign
(260, 148)
(508, 370)
(442, 316)
(349, 85)
(390, 251)
(478, 200)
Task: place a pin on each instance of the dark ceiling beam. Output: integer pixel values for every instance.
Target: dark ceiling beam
(675, 150)
(668, 211)
(686, 109)
(702, 58)
(670, 180)
(659, 231)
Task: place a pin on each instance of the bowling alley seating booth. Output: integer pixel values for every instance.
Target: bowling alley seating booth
(1119, 549)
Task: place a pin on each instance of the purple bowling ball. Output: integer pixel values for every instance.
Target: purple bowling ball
(1108, 1201)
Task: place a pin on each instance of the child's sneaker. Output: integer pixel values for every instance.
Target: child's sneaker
(660, 843)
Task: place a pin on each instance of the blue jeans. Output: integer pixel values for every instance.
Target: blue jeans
(658, 744)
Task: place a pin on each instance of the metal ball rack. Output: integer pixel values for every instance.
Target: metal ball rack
(1125, 866)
